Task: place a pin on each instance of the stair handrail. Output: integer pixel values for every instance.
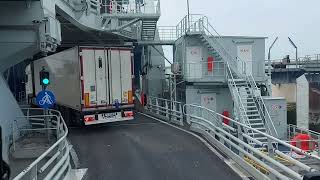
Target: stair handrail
(60, 161)
(185, 25)
(263, 109)
(244, 116)
(204, 29)
(214, 38)
(246, 74)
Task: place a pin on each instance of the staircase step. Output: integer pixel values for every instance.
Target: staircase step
(149, 22)
(250, 106)
(252, 111)
(248, 98)
(237, 80)
(149, 25)
(241, 83)
(255, 120)
(253, 115)
(256, 124)
(247, 104)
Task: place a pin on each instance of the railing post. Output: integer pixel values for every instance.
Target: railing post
(34, 173)
(270, 148)
(149, 104)
(186, 25)
(28, 114)
(187, 111)
(240, 136)
(58, 126)
(288, 132)
(173, 111)
(181, 114)
(157, 106)
(167, 108)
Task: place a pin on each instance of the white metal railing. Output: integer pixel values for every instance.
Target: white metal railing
(130, 7)
(21, 97)
(213, 37)
(54, 163)
(199, 24)
(196, 23)
(274, 162)
(238, 101)
(205, 70)
(189, 24)
(262, 107)
(167, 33)
(237, 65)
(171, 110)
(308, 59)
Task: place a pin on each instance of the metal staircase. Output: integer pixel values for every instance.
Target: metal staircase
(219, 52)
(248, 103)
(148, 29)
(247, 108)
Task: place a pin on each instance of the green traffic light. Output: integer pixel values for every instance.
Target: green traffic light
(45, 81)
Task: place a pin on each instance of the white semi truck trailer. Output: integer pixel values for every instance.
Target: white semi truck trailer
(92, 85)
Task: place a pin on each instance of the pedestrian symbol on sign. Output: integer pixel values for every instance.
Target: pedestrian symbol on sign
(46, 99)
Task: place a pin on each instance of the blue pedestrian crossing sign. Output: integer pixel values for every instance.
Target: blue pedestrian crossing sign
(46, 99)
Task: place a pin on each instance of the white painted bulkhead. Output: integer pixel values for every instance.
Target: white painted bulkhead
(9, 111)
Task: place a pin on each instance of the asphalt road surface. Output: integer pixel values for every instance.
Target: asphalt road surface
(145, 149)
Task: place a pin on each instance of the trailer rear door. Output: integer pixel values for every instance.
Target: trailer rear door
(106, 77)
(88, 77)
(121, 75)
(115, 75)
(126, 76)
(101, 77)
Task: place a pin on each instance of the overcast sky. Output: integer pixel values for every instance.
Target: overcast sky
(298, 19)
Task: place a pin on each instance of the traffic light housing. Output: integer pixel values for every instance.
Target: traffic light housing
(44, 77)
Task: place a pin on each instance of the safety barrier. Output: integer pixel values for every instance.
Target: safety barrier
(167, 33)
(169, 110)
(54, 163)
(205, 71)
(292, 63)
(273, 159)
(130, 7)
(270, 160)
